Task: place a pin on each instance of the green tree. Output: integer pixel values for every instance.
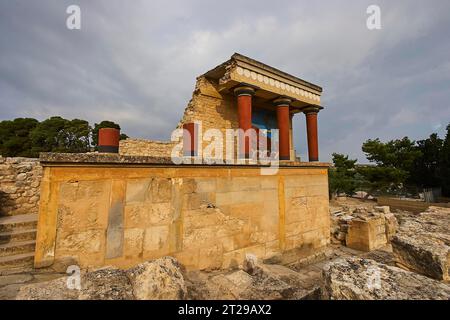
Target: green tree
(48, 136)
(105, 124)
(394, 161)
(426, 171)
(445, 164)
(57, 134)
(76, 136)
(342, 175)
(15, 137)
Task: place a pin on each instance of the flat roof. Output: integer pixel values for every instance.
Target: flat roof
(220, 70)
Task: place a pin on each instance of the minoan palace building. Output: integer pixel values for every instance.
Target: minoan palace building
(244, 93)
(133, 203)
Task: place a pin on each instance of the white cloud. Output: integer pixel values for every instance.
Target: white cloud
(136, 64)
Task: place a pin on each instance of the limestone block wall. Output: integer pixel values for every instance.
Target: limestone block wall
(208, 106)
(367, 234)
(19, 186)
(207, 217)
(142, 147)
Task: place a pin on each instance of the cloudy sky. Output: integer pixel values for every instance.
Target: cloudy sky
(135, 62)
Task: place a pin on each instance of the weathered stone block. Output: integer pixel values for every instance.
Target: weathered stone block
(269, 182)
(422, 243)
(245, 184)
(159, 279)
(133, 242)
(382, 209)
(205, 185)
(151, 280)
(89, 241)
(364, 279)
(366, 235)
(234, 259)
(160, 213)
(246, 210)
(156, 238)
(161, 190)
(211, 257)
(137, 215)
(138, 190)
(195, 201)
(204, 219)
(422, 254)
(391, 226)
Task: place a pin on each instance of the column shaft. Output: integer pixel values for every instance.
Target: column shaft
(189, 140)
(311, 129)
(283, 127)
(244, 106)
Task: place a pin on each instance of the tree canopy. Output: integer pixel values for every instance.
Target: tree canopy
(394, 161)
(444, 165)
(406, 164)
(27, 137)
(15, 137)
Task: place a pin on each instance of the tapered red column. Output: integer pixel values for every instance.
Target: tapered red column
(190, 147)
(108, 140)
(283, 117)
(244, 102)
(311, 130)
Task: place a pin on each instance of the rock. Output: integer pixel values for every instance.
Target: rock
(50, 290)
(391, 225)
(366, 234)
(106, 284)
(103, 284)
(440, 210)
(268, 282)
(422, 244)
(21, 177)
(382, 209)
(361, 210)
(422, 254)
(14, 278)
(250, 264)
(364, 279)
(361, 194)
(341, 236)
(158, 279)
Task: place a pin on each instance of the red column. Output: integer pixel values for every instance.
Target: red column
(244, 103)
(283, 117)
(108, 140)
(189, 140)
(311, 129)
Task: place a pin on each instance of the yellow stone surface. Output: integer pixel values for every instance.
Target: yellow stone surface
(207, 217)
(366, 235)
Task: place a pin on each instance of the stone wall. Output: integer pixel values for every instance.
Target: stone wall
(19, 186)
(408, 205)
(142, 147)
(207, 106)
(207, 217)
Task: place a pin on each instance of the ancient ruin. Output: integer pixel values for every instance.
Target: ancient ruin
(140, 226)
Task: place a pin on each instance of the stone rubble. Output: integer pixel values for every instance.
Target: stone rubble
(158, 281)
(423, 243)
(364, 227)
(364, 279)
(255, 282)
(420, 243)
(151, 280)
